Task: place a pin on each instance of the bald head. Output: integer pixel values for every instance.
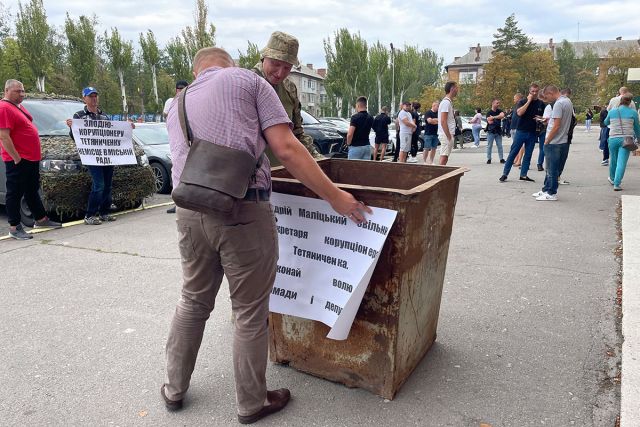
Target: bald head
(208, 57)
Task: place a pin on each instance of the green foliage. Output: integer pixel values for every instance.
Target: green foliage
(13, 65)
(178, 62)
(201, 34)
(578, 74)
(81, 48)
(249, 58)
(151, 57)
(35, 39)
(539, 67)
(120, 54)
(613, 73)
(501, 80)
(511, 41)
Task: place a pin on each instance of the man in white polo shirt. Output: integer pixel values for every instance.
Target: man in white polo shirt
(407, 127)
(447, 122)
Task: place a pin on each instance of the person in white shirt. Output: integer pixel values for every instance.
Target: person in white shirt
(447, 122)
(615, 101)
(180, 84)
(407, 127)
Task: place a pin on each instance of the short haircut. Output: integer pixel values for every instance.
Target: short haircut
(494, 100)
(448, 86)
(566, 91)
(518, 95)
(551, 89)
(535, 85)
(385, 109)
(10, 83)
(361, 101)
(211, 55)
(623, 90)
(479, 110)
(416, 105)
(626, 99)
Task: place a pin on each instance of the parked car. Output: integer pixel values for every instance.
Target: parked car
(467, 133)
(342, 125)
(326, 138)
(154, 140)
(64, 183)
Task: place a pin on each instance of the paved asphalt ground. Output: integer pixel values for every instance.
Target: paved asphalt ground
(527, 334)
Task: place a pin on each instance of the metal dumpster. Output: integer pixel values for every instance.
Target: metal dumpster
(397, 320)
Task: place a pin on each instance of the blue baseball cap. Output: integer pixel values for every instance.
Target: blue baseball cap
(88, 91)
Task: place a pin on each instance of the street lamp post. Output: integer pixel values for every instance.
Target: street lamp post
(393, 81)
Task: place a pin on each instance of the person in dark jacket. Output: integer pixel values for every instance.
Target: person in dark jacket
(381, 128)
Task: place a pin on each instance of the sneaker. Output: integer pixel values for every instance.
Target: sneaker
(617, 188)
(540, 168)
(605, 162)
(20, 234)
(503, 178)
(173, 209)
(563, 182)
(538, 194)
(503, 161)
(107, 218)
(610, 181)
(488, 161)
(47, 223)
(547, 197)
(92, 220)
(526, 178)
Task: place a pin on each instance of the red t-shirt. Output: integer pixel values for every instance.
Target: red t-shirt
(23, 132)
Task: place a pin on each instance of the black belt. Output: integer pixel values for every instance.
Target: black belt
(257, 195)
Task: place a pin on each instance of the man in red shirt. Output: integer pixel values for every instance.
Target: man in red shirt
(20, 150)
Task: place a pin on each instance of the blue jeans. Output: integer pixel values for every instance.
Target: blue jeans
(430, 142)
(604, 143)
(100, 196)
(541, 148)
(359, 153)
(528, 139)
(617, 160)
(555, 156)
(475, 130)
(498, 139)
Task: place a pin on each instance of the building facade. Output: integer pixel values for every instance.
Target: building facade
(311, 90)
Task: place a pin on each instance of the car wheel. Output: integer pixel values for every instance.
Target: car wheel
(161, 177)
(467, 136)
(26, 217)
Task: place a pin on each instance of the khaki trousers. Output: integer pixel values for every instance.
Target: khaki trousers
(243, 246)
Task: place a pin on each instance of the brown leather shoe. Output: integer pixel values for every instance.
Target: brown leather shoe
(171, 405)
(278, 399)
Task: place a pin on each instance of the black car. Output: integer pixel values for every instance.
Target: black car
(326, 138)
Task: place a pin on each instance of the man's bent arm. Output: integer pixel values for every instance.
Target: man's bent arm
(301, 165)
(554, 130)
(9, 147)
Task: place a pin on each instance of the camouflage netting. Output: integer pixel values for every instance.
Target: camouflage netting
(66, 193)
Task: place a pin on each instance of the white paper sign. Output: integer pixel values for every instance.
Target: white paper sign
(326, 260)
(103, 142)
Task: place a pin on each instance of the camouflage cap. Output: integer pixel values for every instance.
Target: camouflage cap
(283, 47)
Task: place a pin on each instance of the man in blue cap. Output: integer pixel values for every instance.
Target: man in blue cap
(99, 204)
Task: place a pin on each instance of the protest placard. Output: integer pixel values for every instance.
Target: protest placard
(326, 260)
(103, 142)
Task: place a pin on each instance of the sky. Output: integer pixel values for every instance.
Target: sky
(449, 27)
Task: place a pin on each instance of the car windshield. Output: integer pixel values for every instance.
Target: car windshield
(308, 119)
(152, 135)
(50, 115)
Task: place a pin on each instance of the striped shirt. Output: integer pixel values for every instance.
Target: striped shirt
(622, 121)
(230, 107)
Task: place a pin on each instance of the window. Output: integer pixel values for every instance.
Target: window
(468, 76)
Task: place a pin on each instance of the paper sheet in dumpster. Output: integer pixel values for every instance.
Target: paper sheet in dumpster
(326, 260)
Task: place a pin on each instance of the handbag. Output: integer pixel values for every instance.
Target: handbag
(628, 142)
(214, 176)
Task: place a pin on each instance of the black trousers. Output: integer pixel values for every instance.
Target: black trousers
(23, 179)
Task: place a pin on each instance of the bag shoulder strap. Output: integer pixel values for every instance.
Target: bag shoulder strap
(182, 116)
(19, 109)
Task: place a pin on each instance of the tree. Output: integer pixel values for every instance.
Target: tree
(539, 67)
(614, 70)
(579, 74)
(249, 59)
(34, 36)
(81, 47)
(178, 62)
(200, 35)
(379, 66)
(120, 54)
(511, 41)
(151, 57)
(500, 80)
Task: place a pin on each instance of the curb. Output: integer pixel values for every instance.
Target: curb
(81, 221)
(630, 385)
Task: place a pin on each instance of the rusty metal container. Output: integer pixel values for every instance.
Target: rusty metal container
(397, 320)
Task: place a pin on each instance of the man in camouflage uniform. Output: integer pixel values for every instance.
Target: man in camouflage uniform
(277, 59)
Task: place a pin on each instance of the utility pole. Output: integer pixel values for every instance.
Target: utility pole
(393, 81)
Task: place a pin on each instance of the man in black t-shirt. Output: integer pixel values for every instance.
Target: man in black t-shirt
(430, 134)
(381, 128)
(415, 115)
(358, 134)
(526, 109)
(494, 131)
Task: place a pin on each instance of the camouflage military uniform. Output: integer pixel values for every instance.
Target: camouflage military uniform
(288, 94)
